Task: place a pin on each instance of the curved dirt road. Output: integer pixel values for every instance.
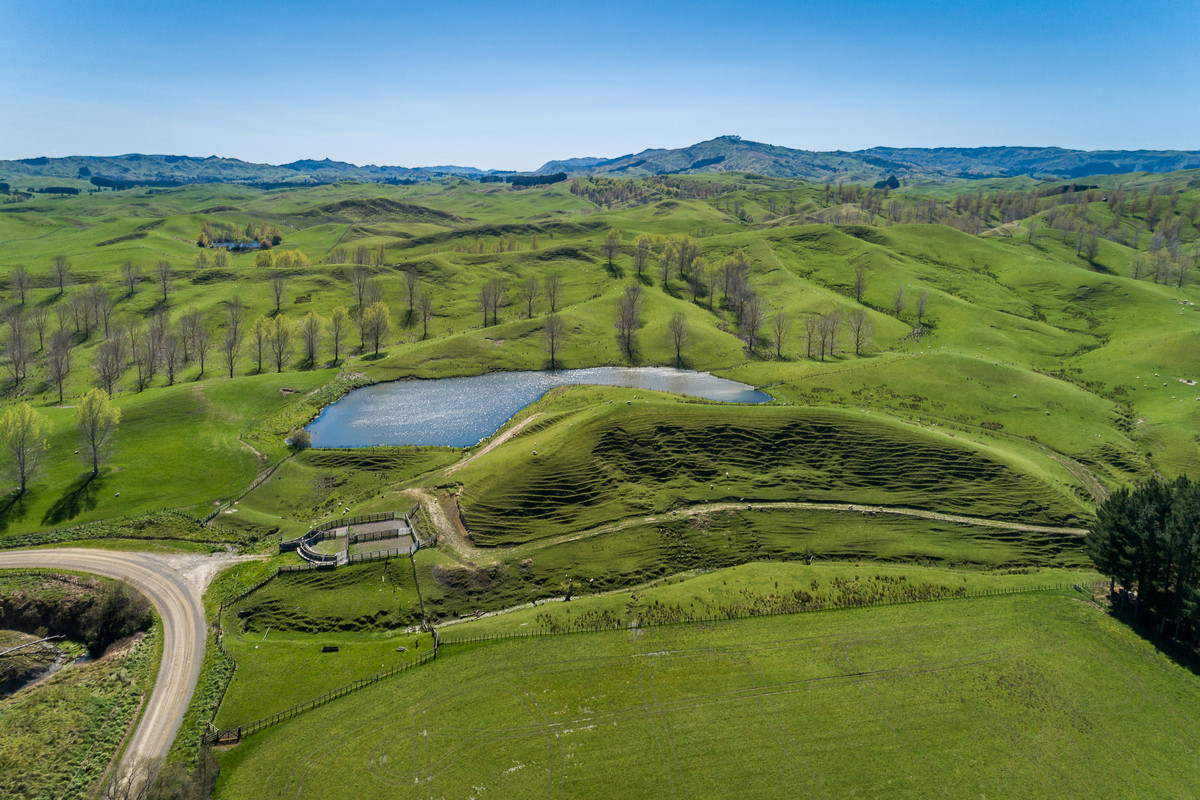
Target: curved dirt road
(175, 585)
(492, 445)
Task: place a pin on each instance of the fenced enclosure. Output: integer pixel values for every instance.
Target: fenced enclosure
(379, 530)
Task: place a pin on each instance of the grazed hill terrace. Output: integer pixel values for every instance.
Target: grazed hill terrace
(646, 459)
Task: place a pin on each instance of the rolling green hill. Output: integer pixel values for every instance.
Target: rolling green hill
(1071, 366)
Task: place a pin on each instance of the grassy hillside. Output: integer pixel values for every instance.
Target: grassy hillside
(817, 701)
(1071, 370)
(619, 461)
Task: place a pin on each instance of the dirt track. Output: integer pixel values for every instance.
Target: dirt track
(175, 585)
(467, 552)
(492, 445)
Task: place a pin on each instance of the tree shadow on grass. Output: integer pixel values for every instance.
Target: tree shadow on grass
(80, 496)
(12, 508)
(1179, 651)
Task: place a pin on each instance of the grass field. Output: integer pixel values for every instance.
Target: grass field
(1032, 380)
(276, 635)
(1001, 697)
(283, 669)
(1027, 349)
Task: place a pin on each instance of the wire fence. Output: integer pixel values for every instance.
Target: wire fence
(235, 734)
(262, 478)
(374, 536)
(303, 544)
(379, 555)
(694, 620)
(361, 519)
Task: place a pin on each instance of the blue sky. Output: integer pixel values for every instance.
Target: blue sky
(511, 85)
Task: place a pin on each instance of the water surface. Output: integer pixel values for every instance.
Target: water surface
(460, 412)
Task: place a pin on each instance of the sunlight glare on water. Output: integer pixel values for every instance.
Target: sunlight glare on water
(460, 412)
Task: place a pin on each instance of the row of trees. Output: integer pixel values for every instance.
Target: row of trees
(494, 294)
(23, 435)
(1147, 539)
(361, 256)
(159, 346)
(164, 346)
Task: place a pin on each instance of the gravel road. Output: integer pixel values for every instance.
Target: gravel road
(175, 585)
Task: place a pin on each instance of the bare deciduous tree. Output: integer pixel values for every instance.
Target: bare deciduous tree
(830, 323)
(529, 293)
(752, 318)
(104, 305)
(359, 276)
(58, 360)
(60, 268)
(172, 357)
(898, 302)
(278, 283)
(922, 304)
(553, 331)
(781, 326)
(425, 306)
(40, 318)
(678, 328)
(20, 281)
(280, 341)
(201, 344)
(260, 333)
(641, 253)
(628, 317)
(108, 364)
(144, 353)
(861, 328)
(697, 277)
(552, 286)
(311, 328)
(231, 340)
(812, 332)
(611, 246)
(860, 281)
(163, 276)
(131, 274)
(412, 281)
(491, 297)
(666, 262)
(16, 348)
(189, 321)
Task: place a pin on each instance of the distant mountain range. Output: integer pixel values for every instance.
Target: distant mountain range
(725, 153)
(730, 153)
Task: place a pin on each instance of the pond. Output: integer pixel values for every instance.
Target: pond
(460, 412)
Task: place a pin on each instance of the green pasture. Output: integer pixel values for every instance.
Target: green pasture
(319, 484)
(276, 635)
(1067, 370)
(651, 457)
(175, 447)
(279, 670)
(900, 700)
